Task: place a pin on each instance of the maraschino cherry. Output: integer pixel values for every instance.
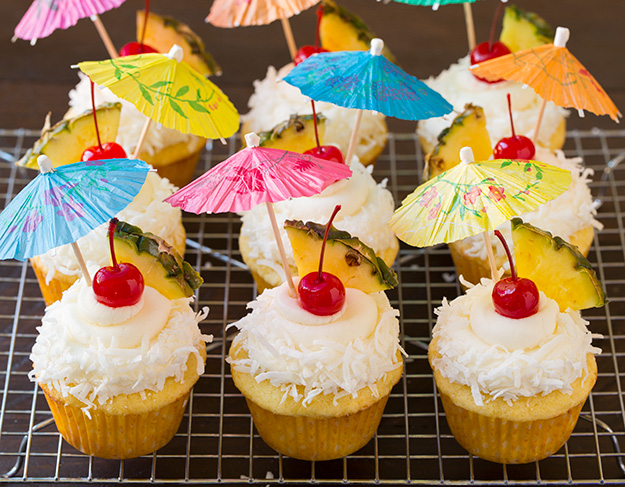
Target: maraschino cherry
(305, 52)
(515, 147)
(514, 297)
(139, 47)
(108, 150)
(490, 49)
(120, 284)
(322, 293)
(325, 152)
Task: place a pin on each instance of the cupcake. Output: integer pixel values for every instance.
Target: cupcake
(58, 269)
(173, 154)
(316, 380)
(274, 101)
(571, 216)
(150, 352)
(513, 385)
(366, 209)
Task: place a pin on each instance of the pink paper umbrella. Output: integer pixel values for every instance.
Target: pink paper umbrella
(45, 16)
(258, 175)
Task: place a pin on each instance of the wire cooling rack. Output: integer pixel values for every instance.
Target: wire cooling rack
(217, 441)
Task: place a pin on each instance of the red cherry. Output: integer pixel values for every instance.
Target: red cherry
(305, 52)
(120, 284)
(485, 51)
(515, 147)
(135, 48)
(514, 297)
(109, 150)
(322, 293)
(327, 152)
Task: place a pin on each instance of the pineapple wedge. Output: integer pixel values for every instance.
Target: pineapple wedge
(467, 129)
(524, 30)
(297, 134)
(341, 30)
(66, 140)
(161, 265)
(353, 262)
(557, 268)
(163, 32)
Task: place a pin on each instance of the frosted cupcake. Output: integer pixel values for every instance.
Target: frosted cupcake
(150, 352)
(58, 269)
(366, 209)
(274, 101)
(173, 154)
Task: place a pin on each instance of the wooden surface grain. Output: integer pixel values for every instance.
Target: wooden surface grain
(36, 79)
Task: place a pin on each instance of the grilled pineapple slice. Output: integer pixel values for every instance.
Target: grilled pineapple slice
(557, 268)
(66, 140)
(297, 134)
(353, 262)
(341, 30)
(163, 32)
(524, 30)
(161, 265)
(467, 129)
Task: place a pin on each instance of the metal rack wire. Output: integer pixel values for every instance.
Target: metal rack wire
(217, 441)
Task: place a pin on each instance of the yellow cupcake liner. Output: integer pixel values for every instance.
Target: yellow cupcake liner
(505, 441)
(52, 291)
(310, 438)
(117, 436)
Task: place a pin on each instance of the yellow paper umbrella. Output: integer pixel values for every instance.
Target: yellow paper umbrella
(169, 91)
(554, 74)
(475, 197)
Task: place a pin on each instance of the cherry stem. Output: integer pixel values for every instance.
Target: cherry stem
(491, 38)
(312, 102)
(145, 24)
(95, 118)
(325, 238)
(319, 17)
(510, 112)
(507, 249)
(112, 225)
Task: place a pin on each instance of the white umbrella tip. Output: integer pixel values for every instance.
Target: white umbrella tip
(466, 155)
(45, 164)
(562, 37)
(376, 46)
(175, 53)
(252, 140)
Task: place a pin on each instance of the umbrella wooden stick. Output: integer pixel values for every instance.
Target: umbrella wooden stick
(539, 119)
(352, 141)
(290, 40)
(142, 136)
(468, 19)
(491, 256)
(81, 262)
(104, 35)
(285, 264)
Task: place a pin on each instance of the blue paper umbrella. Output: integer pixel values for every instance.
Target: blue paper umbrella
(62, 204)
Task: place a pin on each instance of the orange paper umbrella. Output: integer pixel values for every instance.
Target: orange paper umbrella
(241, 13)
(555, 74)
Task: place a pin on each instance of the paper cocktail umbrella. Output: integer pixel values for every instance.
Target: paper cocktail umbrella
(257, 175)
(555, 75)
(169, 91)
(234, 13)
(45, 16)
(475, 197)
(62, 204)
(368, 81)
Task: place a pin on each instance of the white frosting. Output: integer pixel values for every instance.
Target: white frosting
(148, 211)
(563, 216)
(131, 120)
(339, 354)
(366, 208)
(92, 361)
(514, 370)
(274, 101)
(459, 87)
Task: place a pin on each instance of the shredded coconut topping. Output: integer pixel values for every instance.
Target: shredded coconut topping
(554, 364)
(274, 101)
(322, 366)
(95, 371)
